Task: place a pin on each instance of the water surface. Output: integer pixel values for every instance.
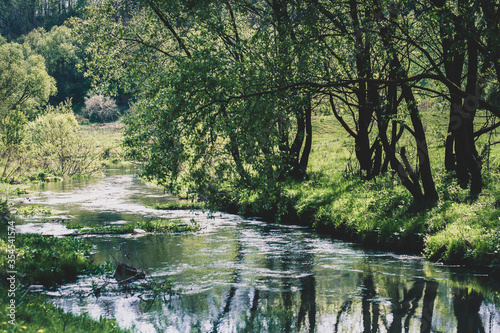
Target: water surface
(245, 275)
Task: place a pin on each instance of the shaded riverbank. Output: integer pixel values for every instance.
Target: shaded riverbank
(381, 214)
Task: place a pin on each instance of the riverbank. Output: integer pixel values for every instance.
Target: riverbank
(34, 261)
(46, 260)
(381, 213)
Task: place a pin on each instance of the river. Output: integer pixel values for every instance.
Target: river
(245, 275)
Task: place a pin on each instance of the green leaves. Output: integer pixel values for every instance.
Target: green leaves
(59, 49)
(13, 128)
(56, 143)
(24, 81)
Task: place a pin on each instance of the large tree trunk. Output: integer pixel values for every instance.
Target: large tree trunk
(422, 151)
(453, 60)
(461, 154)
(304, 159)
(464, 141)
(367, 101)
(409, 178)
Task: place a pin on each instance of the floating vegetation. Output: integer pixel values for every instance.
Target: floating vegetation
(152, 226)
(180, 204)
(32, 210)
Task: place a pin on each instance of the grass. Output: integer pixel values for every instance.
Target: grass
(35, 314)
(45, 260)
(48, 260)
(108, 137)
(32, 210)
(153, 226)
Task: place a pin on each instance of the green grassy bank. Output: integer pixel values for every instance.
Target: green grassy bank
(381, 213)
(48, 261)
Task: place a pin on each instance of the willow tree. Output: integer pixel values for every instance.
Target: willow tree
(25, 87)
(383, 57)
(460, 57)
(218, 86)
(24, 82)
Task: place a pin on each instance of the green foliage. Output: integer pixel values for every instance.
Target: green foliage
(32, 210)
(4, 211)
(207, 111)
(59, 49)
(13, 129)
(11, 144)
(49, 260)
(34, 313)
(58, 145)
(468, 233)
(153, 226)
(273, 203)
(24, 82)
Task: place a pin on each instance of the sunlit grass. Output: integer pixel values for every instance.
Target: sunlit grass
(108, 138)
(35, 314)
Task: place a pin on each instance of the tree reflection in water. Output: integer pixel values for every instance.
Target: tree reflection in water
(265, 280)
(466, 305)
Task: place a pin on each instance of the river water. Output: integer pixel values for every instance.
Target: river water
(245, 275)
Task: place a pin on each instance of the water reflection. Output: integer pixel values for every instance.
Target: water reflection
(466, 305)
(239, 275)
(247, 277)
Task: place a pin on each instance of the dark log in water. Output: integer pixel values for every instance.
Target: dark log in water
(125, 273)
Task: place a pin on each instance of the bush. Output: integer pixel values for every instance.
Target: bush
(58, 145)
(99, 108)
(12, 148)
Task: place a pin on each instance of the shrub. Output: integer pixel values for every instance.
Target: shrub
(99, 108)
(58, 145)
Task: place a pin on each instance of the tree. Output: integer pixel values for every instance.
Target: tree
(369, 75)
(25, 87)
(62, 56)
(100, 108)
(226, 89)
(24, 82)
(217, 95)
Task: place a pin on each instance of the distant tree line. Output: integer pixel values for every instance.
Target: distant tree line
(41, 81)
(19, 17)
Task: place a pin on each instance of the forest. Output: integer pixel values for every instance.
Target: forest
(373, 121)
